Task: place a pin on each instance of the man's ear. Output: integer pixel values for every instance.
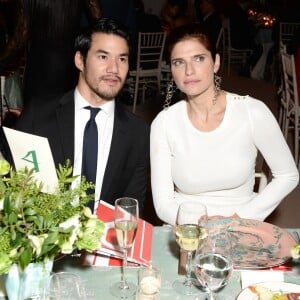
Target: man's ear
(78, 61)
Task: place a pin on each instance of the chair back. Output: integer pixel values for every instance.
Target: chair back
(150, 50)
(228, 53)
(223, 42)
(287, 31)
(290, 91)
(261, 181)
(148, 63)
(292, 100)
(219, 43)
(281, 91)
(290, 80)
(224, 38)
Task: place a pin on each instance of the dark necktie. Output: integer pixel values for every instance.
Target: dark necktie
(90, 151)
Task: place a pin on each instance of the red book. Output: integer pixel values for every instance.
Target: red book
(110, 254)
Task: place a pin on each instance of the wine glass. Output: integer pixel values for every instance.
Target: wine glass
(126, 222)
(190, 230)
(213, 262)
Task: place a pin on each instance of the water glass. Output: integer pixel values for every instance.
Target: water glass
(66, 286)
(213, 262)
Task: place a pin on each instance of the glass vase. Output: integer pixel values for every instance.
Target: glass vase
(30, 283)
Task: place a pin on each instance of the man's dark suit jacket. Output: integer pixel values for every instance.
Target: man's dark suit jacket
(128, 161)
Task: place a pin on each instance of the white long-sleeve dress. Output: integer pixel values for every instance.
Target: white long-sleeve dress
(218, 167)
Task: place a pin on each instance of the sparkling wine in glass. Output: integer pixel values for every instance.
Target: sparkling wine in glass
(190, 231)
(213, 263)
(126, 222)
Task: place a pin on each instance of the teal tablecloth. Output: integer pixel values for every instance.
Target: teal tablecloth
(164, 255)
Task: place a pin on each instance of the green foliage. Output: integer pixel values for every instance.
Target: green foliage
(35, 226)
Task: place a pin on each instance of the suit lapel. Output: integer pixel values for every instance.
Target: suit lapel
(65, 114)
(65, 120)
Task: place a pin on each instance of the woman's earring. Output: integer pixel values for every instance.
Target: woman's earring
(218, 81)
(171, 87)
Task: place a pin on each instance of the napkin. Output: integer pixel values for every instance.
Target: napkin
(253, 277)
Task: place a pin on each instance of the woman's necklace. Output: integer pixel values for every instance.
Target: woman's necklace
(217, 92)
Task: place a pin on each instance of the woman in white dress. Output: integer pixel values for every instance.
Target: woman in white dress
(204, 147)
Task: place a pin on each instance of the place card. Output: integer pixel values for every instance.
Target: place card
(33, 152)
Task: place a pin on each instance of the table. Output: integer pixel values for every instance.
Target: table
(165, 255)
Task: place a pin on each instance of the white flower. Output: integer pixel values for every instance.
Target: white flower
(73, 221)
(1, 204)
(37, 242)
(88, 213)
(13, 253)
(91, 223)
(295, 251)
(67, 246)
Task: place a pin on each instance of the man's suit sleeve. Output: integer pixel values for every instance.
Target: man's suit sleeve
(138, 184)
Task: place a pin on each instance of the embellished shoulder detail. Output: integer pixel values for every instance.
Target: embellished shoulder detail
(239, 97)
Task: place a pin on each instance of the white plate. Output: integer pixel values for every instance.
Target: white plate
(274, 286)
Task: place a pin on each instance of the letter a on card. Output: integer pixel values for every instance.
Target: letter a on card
(33, 152)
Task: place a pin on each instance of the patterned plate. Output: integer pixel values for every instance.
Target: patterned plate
(257, 245)
(274, 286)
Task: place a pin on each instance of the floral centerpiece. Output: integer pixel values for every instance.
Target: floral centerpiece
(35, 226)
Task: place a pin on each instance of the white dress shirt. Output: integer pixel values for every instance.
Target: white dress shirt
(105, 123)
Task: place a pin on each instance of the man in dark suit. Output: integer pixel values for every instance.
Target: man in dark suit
(101, 56)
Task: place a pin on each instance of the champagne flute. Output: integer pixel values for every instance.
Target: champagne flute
(213, 263)
(126, 222)
(190, 230)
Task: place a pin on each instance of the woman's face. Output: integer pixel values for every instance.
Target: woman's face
(192, 67)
